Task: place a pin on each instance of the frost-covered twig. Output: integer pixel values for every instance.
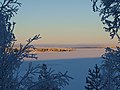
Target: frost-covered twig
(23, 51)
(94, 79)
(109, 10)
(49, 80)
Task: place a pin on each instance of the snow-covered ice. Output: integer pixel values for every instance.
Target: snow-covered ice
(76, 67)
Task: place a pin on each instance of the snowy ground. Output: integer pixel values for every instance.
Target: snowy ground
(77, 68)
(78, 53)
(77, 63)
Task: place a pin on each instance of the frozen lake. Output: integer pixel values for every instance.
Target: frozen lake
(77, 63)
(77, 68)
(78, 53)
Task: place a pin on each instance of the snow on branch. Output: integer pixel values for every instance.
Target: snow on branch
(109, 10)
(49, 80)
(24, 50)
(111, 68)
(94, 79)
(9, 8)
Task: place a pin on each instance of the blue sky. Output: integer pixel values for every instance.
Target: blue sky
(60, 22)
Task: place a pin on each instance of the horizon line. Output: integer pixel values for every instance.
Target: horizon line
(73, 45)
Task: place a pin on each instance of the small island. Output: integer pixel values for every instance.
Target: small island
(39, 50)
(53, 49)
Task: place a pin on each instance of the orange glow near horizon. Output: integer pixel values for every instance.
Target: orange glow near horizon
(60, 25)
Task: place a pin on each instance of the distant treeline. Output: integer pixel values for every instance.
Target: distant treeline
(54, 49)
(48, 49)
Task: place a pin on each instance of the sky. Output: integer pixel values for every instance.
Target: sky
(60, 22)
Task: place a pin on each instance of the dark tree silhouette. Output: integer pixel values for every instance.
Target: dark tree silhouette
(111, 68)
(93, 80)
(109, 10)
(48, 80)
(10, 60)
